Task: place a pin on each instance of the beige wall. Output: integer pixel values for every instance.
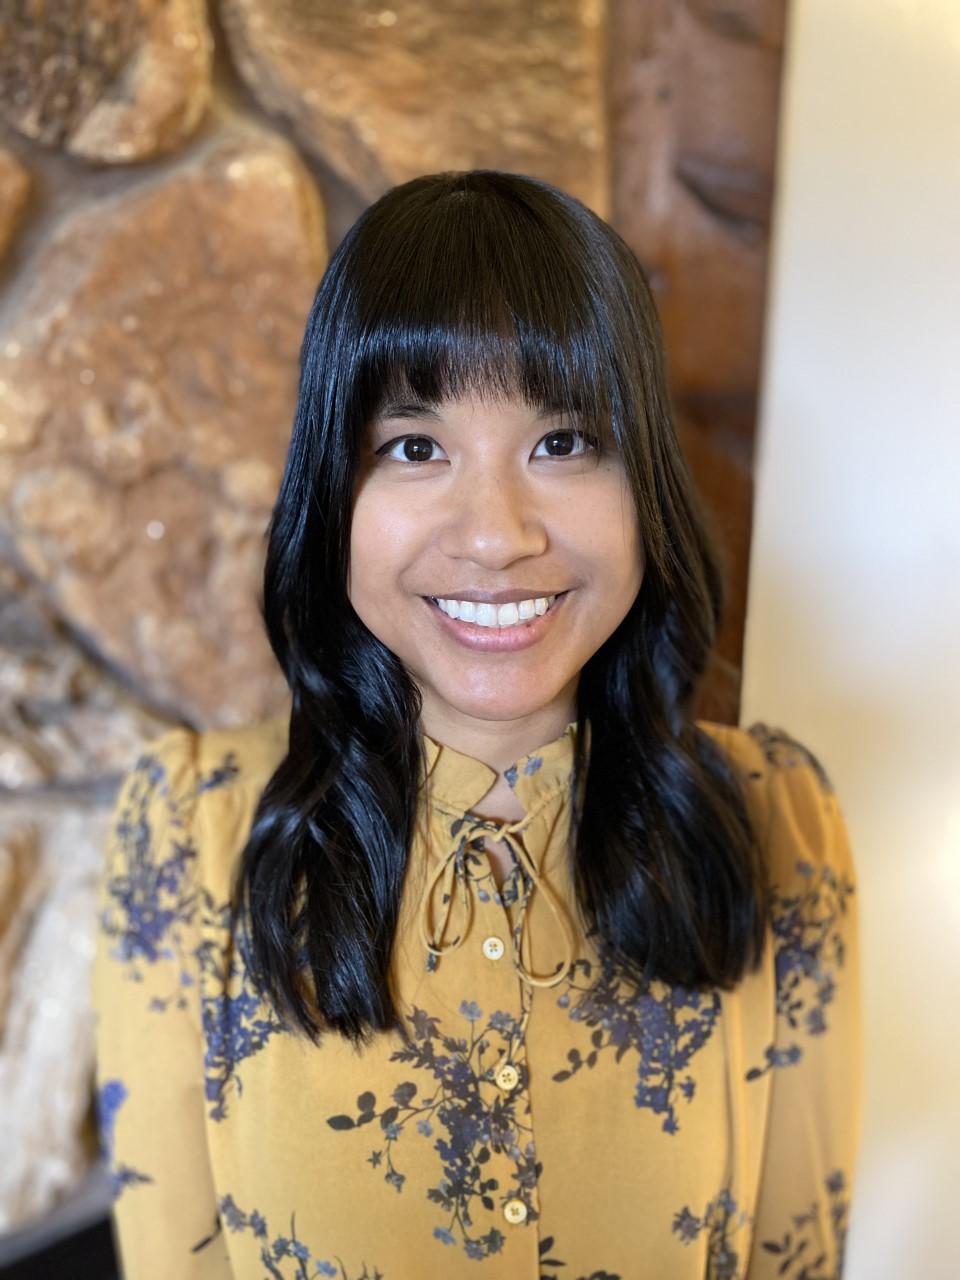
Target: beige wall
(853, 626)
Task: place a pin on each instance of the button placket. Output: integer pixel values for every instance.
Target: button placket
(502, 1083)
(498, 966)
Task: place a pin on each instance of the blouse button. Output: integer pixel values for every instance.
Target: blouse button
(507, 1077)
(493, 948)
(515, 1211)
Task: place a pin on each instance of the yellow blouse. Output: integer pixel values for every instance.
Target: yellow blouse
(539, 1117)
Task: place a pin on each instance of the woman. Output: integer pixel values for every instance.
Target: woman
(489, 960)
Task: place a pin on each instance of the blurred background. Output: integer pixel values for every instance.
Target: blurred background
(173, 178)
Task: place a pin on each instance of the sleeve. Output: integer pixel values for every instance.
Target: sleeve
(814, 1065)
(146, 995)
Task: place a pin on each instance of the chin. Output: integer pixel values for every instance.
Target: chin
(499, 706)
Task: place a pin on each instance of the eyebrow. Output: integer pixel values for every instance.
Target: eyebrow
(408, 409)
(422, 411)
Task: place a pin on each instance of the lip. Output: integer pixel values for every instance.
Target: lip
(497, 639)
(513, 596)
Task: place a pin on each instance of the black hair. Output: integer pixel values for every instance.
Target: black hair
(500, 283)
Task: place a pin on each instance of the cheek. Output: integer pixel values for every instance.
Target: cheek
(629, 534)
(363, 547)
(611, 529)
(380, 546)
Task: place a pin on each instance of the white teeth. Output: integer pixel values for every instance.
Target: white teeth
(486, 615)
(491, 615)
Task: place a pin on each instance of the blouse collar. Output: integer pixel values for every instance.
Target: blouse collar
(456, 782)
(459, 782)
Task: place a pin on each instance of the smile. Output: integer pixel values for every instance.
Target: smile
(492, 615)
(494, 636)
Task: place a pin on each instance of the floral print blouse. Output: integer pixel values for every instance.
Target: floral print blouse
(538, 1118)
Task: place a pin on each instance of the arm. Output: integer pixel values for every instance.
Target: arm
(814, 1064)
(149, 1072)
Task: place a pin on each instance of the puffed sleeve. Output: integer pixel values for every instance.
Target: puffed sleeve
(149, 1056)
(814, 1064)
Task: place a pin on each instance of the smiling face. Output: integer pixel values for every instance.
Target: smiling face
(472, 497)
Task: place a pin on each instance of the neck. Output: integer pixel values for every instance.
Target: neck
(497, 743)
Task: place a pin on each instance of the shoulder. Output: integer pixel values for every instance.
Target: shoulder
(197, 790)
(793, 803)
(180, 767)
(243, 757)
(745, 758)
(234, 766)
(739, 746)
(211, 759)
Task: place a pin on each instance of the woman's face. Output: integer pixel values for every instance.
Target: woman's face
(473, 497)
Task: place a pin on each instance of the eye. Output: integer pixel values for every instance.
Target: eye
(418, 448)
(565, 452)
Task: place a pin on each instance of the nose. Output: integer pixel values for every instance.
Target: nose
(493, 519)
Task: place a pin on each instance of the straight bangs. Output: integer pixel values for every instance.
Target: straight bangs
(483, 296)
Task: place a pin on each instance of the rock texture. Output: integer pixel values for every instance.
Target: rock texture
(23, 883)
(64, 723)
(146, 391)
(108, 80)
(45, 953)
(67, 734)
(382, 94)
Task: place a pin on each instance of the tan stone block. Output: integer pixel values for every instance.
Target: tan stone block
(109, 80)
(382, 94)
(145, 411)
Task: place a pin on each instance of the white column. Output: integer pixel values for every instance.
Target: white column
(853, 626)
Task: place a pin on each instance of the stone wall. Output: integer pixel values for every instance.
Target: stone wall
(173, 177)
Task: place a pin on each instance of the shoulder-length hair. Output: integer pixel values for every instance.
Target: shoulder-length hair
(487, 281)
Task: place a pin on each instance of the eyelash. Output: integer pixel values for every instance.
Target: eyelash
(567, 431)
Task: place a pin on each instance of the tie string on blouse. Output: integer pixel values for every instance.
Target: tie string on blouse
(453, 868)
